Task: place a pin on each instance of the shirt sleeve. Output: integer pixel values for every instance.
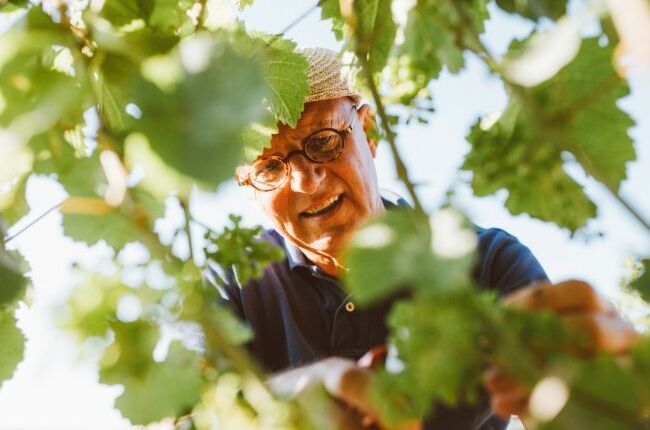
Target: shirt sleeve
(226, 284)
(505, 264)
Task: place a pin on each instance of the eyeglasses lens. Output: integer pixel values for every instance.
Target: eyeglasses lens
(324, 146)
(269, 173)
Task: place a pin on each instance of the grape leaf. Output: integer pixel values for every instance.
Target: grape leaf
(123, 12)
(285, 75)
(257, 136)
(13, 204)
(534, 9)
(642, 283)
(240, 249)
(374, 32)
(171, 15)
(132, 221)
(585, 94)
(575, 111)
(12, 344)
(30, 83)
(13, 5)
(110, 108)
(395, 251)
(436, 34)
(12, 279)
(510, 155)
(196, 127)
(603, 394)
(243, 4)
(331, 9)
(152, 390)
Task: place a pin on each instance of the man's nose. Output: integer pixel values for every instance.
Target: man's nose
(306, 176)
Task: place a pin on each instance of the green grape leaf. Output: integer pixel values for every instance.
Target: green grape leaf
(12, 279)
(195, 127)
(331, 9)
(400, 250)
(534, 9)
(30, 83)
(436, 34)
(585, 94)
(257, 136)
(575, 111)
(436, 339)
(243, 4)
(111, 110)
(12, 344)
(375, 32)
(510, 155)
(152, 390)
(13, 5)
(55, 156)
(642, 283)
(285, 75)
(603, 393)
(123, 12)
(13, 204)
(171, 15)
(160, 179)
(132, 221)
(240, 248)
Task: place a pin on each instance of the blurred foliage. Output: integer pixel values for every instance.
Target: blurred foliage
(136, 101)
(13, 285)
(444, 329)
(241, 249)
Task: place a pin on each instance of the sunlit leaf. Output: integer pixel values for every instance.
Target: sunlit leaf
(93, 220)
(152, 390)
(642, 283)
(330, 9)
(374, 31)
(12, 344)
(396, 251)
(285, 75)
(534, 9)
(196, 127)
(240, 249)
(12, 279)
(576, 111)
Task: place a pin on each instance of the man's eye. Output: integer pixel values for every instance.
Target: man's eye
(323, 143)
(272, 166)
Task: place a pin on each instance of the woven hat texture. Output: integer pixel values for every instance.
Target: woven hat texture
(326, 80)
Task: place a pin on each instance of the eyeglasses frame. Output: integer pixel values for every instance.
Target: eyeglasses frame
(343, 133)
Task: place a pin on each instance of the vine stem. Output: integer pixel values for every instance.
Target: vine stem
(630, 209)
(37, 219)
(400, 166)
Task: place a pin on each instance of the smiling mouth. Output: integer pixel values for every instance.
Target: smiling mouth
(324, 208)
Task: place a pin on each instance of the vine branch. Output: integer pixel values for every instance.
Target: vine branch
(400, 166)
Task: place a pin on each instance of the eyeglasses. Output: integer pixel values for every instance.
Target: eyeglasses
(322, 146)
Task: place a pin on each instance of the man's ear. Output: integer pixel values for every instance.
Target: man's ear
(369, 127)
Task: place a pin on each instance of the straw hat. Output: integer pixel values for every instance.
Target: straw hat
(326, 80)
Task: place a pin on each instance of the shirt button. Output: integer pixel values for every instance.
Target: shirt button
(349, 306)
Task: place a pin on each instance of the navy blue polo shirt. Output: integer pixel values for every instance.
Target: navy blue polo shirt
(299, 314)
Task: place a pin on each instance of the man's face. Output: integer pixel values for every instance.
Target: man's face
(320, 204)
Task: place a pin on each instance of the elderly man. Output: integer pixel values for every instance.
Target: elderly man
(316, 183)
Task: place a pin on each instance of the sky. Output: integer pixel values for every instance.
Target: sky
(56, 386)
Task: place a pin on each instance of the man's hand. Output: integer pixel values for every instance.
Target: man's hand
(346, 381)
(578, 304)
